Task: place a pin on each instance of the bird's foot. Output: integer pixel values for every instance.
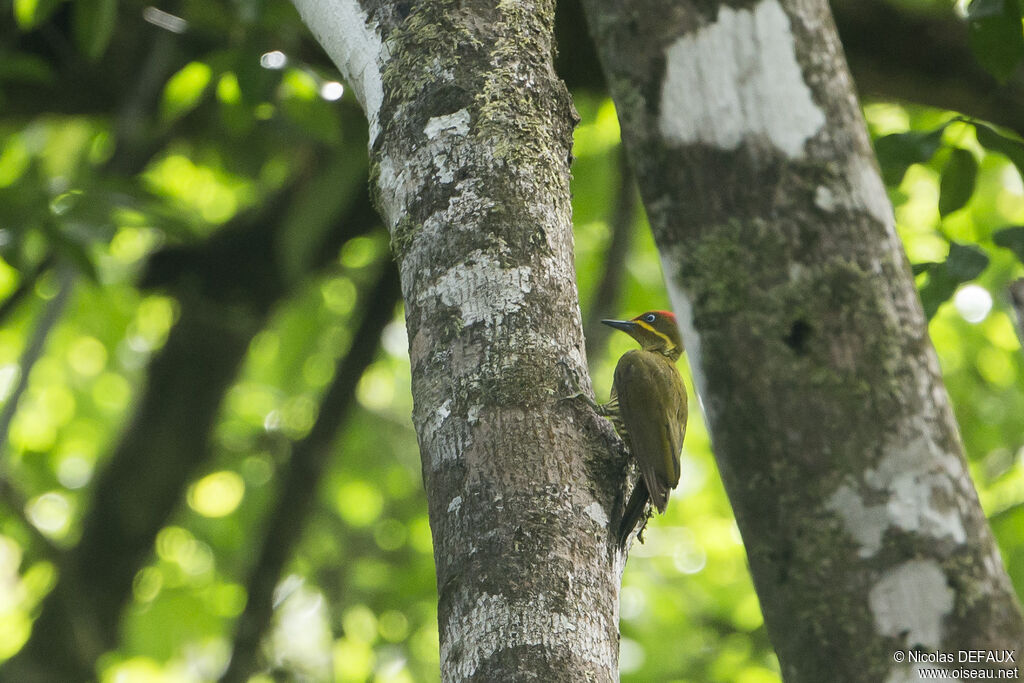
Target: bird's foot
(594, 405)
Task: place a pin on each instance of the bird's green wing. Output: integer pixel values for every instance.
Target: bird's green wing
(652, 406)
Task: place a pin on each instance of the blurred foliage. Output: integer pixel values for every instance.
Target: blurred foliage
(241, 113)
(995, 35)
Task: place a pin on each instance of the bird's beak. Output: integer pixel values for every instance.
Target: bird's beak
(625, 325)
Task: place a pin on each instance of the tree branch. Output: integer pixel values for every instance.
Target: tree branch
(895, 53)
(24, 288)
(9, 493)
(34, 349)
(923, 58)
(1015, 292)
(609, 288)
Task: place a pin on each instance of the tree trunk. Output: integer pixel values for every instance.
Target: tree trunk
(806, 338)
(470, 143)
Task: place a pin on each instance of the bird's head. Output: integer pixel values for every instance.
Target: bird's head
(655, 330)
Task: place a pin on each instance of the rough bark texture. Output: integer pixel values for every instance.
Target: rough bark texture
(470, 149)
(829, 420)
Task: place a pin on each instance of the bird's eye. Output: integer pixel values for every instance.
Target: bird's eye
(649, 317)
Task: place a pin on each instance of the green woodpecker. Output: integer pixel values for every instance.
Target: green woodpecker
(648, 410)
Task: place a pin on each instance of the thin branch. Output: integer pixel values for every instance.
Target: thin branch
(609, 289)
(34, 350)
(25, 286)
(1016, 293)
(10, 496)
(305, 468)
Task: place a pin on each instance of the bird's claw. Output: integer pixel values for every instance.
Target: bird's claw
(589, 401)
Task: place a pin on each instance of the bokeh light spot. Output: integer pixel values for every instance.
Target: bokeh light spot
(360, 623)
(359, 503)
(339, 295)
(87, 356)
(393, 626)
(331, 90)
(275, 59)
(217, 494)
(50, 513)
(973, 303)
(359, 252)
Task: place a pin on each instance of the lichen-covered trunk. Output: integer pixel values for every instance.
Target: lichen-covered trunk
(470, 145)
(809, 350)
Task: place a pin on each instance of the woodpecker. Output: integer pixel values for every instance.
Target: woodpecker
(648, 409)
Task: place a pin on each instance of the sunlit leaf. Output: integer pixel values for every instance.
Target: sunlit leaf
(185, 89)
(217, 494)
(31, 13)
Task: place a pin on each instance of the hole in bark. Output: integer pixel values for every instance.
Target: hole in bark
(799, 334)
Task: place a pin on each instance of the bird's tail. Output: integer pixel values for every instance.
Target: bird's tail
(633, 512)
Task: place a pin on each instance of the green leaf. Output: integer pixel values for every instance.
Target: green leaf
(964, 263)
(94, 22)
(995, 35)
(1011, 147)
(256, 84)
(21, 67)
(898, 151)
(31, 13)
(1011, 238)
(184, 90)
(958, 178)
(918, 268)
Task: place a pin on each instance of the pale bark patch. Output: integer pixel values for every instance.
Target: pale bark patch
(354, 45)
(866, 523)
(439, 131)
(457, 123)
(859, 189)
(597, 513)
(738, 78)
(869, 191)
(919, 482)
(918, 474)
(494, 624)
(683, 308)
(824, 199)
(910, 601)
(482, 290)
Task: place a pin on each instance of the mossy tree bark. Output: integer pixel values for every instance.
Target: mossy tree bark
(809, 349)
(471, 133)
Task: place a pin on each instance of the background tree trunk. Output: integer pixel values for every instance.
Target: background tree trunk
(808, 345)
(470, 137)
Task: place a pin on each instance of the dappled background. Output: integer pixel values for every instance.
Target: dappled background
(188, 182)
